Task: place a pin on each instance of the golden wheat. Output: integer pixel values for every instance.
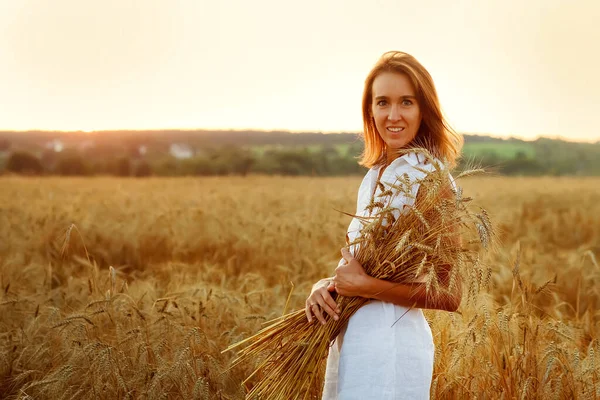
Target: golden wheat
(200, 264)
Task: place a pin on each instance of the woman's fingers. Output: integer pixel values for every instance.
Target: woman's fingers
(320, 301)
(316, 309)
(331, 287)
(347, 255)
(331, 306)
(308, 313)
(327, 308)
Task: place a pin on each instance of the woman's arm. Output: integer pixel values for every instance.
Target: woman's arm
(352, 280)
(413, 294)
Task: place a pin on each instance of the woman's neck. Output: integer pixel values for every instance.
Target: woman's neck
(390, 156)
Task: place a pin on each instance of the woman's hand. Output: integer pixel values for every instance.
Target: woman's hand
(320, 300)
(351, 279)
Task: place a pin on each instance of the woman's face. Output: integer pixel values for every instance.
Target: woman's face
(395, 109)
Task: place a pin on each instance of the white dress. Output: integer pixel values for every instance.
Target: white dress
(385, 352)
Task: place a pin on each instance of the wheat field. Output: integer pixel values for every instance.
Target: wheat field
(121, 288)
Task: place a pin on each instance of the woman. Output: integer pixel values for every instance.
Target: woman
(386, 350)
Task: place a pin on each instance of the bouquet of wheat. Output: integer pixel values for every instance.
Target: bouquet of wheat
(420, 241)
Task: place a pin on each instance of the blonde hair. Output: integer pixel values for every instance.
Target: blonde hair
(434, 134)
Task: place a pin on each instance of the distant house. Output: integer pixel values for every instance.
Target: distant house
(181, 151)
(55, 145)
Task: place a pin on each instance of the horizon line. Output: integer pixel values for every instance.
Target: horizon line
(291, 131)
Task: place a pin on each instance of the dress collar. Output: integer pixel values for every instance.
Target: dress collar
(411, 158)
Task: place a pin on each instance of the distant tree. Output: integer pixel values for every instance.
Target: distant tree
(345, 165)
(123, 167)
(21, 162)
(520, 164)
(99, 167)
(355, 149)
(295, 162)
(328, 150)
(242, 164)
(142, 169)
(4, 145)
(71, 165)
(225, 160)
(200, 166)
(167, 167)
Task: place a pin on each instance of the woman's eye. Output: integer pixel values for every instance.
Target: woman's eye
(407, 102)
(381, 103)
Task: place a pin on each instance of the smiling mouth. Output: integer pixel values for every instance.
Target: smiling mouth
(394, 129)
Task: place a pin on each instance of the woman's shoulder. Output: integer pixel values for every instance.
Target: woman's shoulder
(369, 175)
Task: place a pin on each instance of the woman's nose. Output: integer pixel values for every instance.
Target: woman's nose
(394, 114)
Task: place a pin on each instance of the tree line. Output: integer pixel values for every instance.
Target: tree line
(148, 153)
(227, 160)
(324, 161)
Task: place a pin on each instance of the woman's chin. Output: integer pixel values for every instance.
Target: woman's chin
(397, 145)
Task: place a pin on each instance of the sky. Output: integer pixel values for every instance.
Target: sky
(506, 68)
